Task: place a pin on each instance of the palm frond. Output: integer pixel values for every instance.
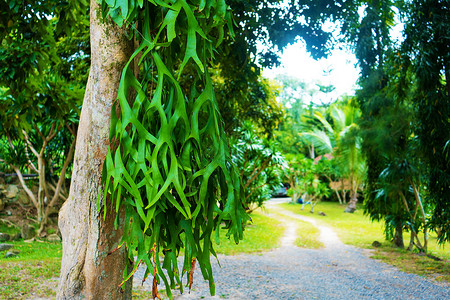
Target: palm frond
(319, 139)
(322, 119)
(338, 118)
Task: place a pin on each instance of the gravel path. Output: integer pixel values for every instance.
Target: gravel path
(337, 271)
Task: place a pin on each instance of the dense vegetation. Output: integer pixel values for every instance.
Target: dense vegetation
(211, 128)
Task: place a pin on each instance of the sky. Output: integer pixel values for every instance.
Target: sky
(339, 70)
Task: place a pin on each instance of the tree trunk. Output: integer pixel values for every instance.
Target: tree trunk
(398, 235)
(338, 196)
(352, 203)
(57, 190)
(344, 197)
(422, 212)
(90, 269)
(312, 152)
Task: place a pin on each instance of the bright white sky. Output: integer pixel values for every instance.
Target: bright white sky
(339, 70)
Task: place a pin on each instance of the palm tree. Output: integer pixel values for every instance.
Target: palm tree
(340, 137)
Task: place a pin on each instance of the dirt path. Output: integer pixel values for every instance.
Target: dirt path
(337, 271)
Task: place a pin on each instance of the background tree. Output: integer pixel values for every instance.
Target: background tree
(260, 165)
(303, 176)
(42, 73)
(405, 77)
(426, 50)
(340, 138)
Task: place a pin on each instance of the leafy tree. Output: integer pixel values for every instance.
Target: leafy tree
(426, 51)
(304, 180)
(40, 72)
(299, 116)
(242, 93)
(244, 96)
(399, 85)
(330, 168)
(260, 167)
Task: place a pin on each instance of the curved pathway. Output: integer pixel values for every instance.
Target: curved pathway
(337, 271)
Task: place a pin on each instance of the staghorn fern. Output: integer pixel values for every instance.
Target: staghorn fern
(169, 162)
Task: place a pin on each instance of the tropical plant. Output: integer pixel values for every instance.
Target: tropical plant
(330, 168)
(401, 178)
(42, 79)
(168, 161)
(260, 165)
(340, 137)
(304, 180)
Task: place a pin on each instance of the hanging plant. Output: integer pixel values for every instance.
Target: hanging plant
(168, 163)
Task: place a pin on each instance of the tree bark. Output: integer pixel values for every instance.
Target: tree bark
(57, 191)
(351, 207)
(398, 235)
(90, 269)
(422, 212)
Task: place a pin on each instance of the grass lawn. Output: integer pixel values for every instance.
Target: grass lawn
(263, 234)
(357, 229)
(34, 272)
(353, 229)
(31, 274)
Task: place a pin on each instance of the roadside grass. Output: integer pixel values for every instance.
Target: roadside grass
(34, 272)
(415, 263)
(358, 230)
(353, 229)
(263, 234)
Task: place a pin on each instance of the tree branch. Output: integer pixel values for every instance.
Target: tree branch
(10, 141)
(24, 186)
(422, 211)
(27, 140)
(53, 132)
(256, 188)
(257, 171)
(61, 176)
(245, 164)
(71, 130)
(39, 132)
(61, 194)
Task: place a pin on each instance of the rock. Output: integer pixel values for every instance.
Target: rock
(11, 254)
(27, 232)
(376, 244)
(4, 237)
(4, 247)
(322, 213)
(53, 238)
(11, 191)
(23, 198)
